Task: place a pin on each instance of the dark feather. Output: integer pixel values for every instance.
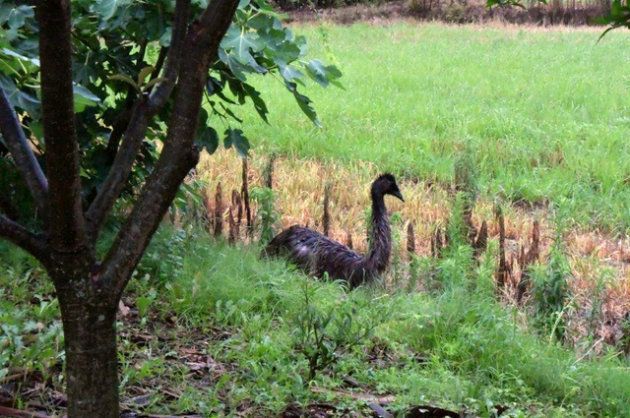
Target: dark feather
(319, 255)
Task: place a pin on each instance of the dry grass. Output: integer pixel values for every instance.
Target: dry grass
(299, 190)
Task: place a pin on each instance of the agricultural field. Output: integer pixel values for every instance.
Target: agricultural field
(543, 113)
(534, 122)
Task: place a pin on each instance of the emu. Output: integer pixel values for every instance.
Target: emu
(317, 254)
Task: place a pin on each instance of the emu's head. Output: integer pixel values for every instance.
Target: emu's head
(386, 184)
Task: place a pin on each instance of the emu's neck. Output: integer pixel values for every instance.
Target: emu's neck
(380, 236)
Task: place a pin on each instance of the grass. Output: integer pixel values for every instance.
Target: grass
(543, 113)
(210, 328)
(219, 337)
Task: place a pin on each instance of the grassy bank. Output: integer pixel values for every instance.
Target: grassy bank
(212, 329)
(543, 113)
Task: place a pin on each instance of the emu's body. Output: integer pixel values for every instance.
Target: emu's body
(317, 254)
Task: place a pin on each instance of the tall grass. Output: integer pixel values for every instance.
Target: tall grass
(452, 347)
(456, 346)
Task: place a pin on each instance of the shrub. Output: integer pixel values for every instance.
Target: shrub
(550, 291)
(267, 215)
(321, 335)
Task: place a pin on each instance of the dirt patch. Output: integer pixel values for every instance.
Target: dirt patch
(554, 13)
(177, 355)
(316, 410)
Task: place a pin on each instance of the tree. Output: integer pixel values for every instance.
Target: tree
(77, 134)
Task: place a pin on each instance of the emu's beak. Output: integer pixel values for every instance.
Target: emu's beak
(398, 195)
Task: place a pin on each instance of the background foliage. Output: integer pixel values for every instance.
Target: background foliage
(119, 48)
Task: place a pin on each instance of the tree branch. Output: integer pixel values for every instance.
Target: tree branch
(7, 207)
(179, 154)
(24, 239)
(22, 153)
(119, 126)
(65, 215)
(142, 113)
(159, 63)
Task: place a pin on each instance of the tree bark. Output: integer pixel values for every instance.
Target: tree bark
(65, 214)
(21, 151)
(20, 236)
(89, 326)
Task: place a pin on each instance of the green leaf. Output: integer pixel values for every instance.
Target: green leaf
(215, 86)
(237, 69)
(259, 103)
(83, 98)
(165, 39)
(242, 43)
(11, 53)
(315, 69)
(20, 98)
(261, 21)
(235, 137)
(230, 113)
(322, 74)
(305, 104)
(290, 74)
(28, 102)
(208, 139)
(18, 16)
(37, 129)
(106, 8)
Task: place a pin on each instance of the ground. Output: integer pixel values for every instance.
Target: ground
(209, 329)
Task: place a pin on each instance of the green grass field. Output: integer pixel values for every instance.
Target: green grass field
(545, 115)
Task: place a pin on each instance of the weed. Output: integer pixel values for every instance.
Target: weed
(550, 291)
(411, 240)
(396, 266)
(143, 302)
(266, 212)
(165, 258)
(245, 197)
(326, 212)
(457, 229)
(322, 335)
(268, 171)
(217, 219)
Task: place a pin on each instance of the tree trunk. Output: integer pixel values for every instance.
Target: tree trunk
(89, 325)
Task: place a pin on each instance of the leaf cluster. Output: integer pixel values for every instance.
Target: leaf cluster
(119, 56)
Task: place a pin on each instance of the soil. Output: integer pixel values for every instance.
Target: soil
(455, 11)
